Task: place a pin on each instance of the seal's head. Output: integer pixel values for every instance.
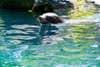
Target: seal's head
(50, 18)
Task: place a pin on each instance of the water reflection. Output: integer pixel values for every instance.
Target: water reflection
(75, 45)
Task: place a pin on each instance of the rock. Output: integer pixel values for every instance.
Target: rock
(47, 5)
(16, 4)
(41, 7)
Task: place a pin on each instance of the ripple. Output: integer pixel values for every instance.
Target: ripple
(16, 41)
(24, 26)
(15, 32)
(98, 58)
(66, 65)
(94, 46)
(21, 37)
(95, 17)
(12, 54)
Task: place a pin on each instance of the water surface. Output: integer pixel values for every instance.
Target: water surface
(21, 45)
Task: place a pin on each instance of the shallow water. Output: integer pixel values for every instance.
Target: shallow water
(21, 45)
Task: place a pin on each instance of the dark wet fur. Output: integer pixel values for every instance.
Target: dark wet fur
(54, 19)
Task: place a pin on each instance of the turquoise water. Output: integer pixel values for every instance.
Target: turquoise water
(21, 45)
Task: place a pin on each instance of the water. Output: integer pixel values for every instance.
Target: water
(21, 45)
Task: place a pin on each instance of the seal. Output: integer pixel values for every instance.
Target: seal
(50, 17)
